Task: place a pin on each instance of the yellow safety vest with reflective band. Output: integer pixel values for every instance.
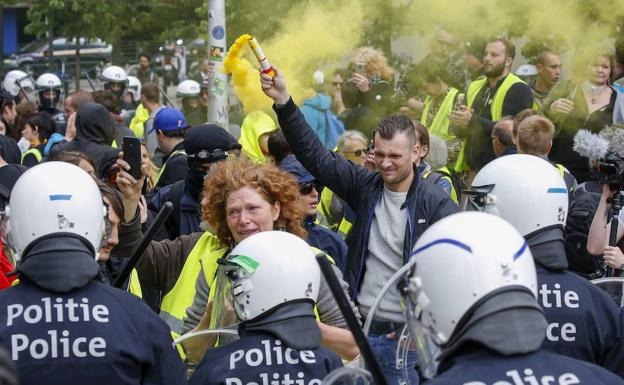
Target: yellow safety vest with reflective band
(162, 170)
(496, 108)
(445, 174)
(137, 124)
(175, 302)
(34, 151)
(343, 227)
(135, 284)
(440, 124)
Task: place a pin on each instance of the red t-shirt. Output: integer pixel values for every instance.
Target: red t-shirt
(5, 268)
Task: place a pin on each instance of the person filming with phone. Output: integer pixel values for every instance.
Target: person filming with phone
(372, 76)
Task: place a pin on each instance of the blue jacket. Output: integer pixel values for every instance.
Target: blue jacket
(483, 367)
(328, 241)
(94, 335)
(264, 360)
(584, 322)
(317, 113)
(361, 189)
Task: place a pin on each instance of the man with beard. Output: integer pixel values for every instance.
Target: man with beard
(204, 146)
(500, 93)
(548, 66)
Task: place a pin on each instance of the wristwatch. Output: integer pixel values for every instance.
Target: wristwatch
(621, 267)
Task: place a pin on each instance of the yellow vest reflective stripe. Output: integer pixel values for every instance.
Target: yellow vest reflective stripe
(33, 151)
(175, 302)
(561, 169)
(445, 175)
(440, 124)
(175, 153)
(323, 210)
(496, 109)
(344, 228)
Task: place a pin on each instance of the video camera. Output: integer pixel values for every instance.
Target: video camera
(612, 167)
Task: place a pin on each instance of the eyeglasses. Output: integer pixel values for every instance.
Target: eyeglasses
(306, 188)
(335, 84)
(359, 152)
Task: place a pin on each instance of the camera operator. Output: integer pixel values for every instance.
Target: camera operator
(598, 237)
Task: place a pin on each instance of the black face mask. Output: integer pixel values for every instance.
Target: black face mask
(195, 181)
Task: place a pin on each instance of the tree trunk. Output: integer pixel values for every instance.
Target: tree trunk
(77, 74)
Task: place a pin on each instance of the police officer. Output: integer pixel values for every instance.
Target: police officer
(189, 100)
(20, 85)
(482, 322)
(115, 78)
(273, 291)
(59, 324)
(583, 321)
(49, 93)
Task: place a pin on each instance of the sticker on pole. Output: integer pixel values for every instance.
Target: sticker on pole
(218, 32)
(216, 53)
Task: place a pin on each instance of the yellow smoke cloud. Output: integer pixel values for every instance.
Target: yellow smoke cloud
(312, 36)
(322, 34)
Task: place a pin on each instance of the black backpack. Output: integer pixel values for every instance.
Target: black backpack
(580, 215)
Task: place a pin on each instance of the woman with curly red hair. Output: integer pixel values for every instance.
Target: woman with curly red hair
(240, 198)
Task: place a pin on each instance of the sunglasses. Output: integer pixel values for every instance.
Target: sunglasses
(306, 188)
(360, 152)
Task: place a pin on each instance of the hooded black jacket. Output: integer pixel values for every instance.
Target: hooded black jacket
(95, 131)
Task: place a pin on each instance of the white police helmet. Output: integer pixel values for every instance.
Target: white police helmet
(55, 197)
(134, 87)
(526, 70)
(17, 81)
(269, 269)
(525, 190)
(49, 82)
(188, 88)
(114, 75)
(477, 254)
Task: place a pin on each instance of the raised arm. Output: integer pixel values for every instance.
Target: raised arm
(338, 174)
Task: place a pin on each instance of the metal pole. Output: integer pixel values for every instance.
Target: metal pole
(218, 84)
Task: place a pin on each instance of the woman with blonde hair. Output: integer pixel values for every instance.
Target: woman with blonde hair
(372, 76)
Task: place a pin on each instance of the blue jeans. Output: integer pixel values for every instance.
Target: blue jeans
(385, 350)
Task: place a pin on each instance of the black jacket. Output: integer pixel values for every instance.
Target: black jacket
(95, 131)
(361, 189)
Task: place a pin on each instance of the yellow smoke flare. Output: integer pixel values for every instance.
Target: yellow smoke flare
(245, 79)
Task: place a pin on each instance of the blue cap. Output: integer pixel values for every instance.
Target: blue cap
(169, 119)
(293, 166)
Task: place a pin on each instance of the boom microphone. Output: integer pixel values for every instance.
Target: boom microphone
(614, 135)
(590, 145)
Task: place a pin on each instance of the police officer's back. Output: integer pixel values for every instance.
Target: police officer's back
(273, 290)
(483, 323)
(60, 326)
(583, 321)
